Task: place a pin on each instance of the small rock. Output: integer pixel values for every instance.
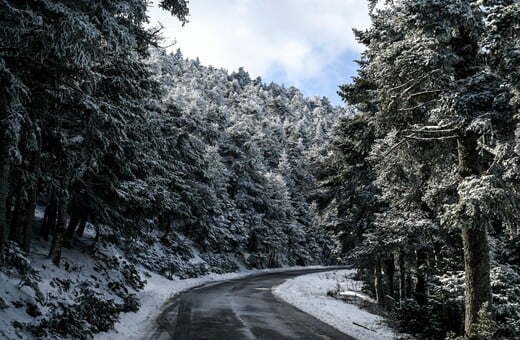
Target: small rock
(3, 304)
(33, 310)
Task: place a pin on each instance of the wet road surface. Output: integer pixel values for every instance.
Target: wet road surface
(240, 309)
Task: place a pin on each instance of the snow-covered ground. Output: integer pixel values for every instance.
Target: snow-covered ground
(309, 294)
(93, 278)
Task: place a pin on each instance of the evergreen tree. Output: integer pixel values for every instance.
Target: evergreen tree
(347, 196)
(66, 65)
(438, 102)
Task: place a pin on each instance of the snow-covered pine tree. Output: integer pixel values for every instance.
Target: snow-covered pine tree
(346, 196)
(59, 56)
(437, 99)
(262, 135)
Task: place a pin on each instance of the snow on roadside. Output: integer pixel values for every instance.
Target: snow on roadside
(309, 294)
(156, 295)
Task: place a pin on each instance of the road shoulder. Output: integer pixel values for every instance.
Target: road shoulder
(309, 294)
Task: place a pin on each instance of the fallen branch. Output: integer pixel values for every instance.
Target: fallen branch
(359, 325)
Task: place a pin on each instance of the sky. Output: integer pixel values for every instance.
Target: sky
(308, 44)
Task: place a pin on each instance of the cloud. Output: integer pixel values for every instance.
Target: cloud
(297, 40)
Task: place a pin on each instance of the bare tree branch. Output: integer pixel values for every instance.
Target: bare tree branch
(394, 147)
(431, 138)
(414, 81)
(425, 129)
(439, 131)
(413, 95)
(417, 106)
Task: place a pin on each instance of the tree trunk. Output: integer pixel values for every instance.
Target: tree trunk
(402, 277)
(476, 265)
(389, 269)
(82, 225)
(22, 219)
(420, 286)
(409, 285)
(467, 153)
(477, 291)
(378, 282)
(16, 221)
(73, 224)
(27, 228)
(437, 255)
(49, 219)
(57, 241)
(5, 161)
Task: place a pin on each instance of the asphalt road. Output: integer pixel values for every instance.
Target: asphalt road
(240, 309)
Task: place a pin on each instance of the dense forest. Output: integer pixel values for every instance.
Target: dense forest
(109, 141)
(133, 141)
(111, 147)
(421, 187)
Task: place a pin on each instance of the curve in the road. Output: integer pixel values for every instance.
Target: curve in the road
(241, 309)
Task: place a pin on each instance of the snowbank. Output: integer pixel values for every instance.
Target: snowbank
(309, 294)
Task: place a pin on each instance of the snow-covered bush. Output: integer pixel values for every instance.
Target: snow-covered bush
(220, 263)
(444, 313)
(90, 312)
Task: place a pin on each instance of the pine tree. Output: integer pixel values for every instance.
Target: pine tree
(428, 84)
(66, 65)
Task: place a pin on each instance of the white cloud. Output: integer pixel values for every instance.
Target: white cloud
(297, 37)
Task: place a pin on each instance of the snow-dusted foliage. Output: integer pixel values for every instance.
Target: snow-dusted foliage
(187, 169)
(433, 189)
(235, 155)
(180, 168)
(483, 199)
(83, 297)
